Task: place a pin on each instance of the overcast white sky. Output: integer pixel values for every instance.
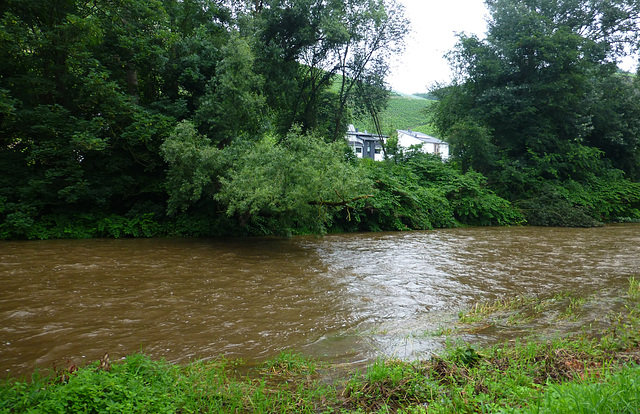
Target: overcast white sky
(433, 27)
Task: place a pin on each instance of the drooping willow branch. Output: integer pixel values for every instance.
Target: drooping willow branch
(343, 203)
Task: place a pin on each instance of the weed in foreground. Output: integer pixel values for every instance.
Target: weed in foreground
(389, 385)
(288, 364)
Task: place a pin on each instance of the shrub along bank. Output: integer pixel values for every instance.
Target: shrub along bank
(584, 373)
(303, 185)
(300, 185)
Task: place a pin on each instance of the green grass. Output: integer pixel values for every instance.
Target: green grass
(585, 373)
(482, 310)
(403, 112)
(575, 375)
(614, 393)
(634, 288)
(141, 385)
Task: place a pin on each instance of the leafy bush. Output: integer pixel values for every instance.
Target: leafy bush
(474, 204)
(573, 189)
(139, 385)
(553, 208)
(616, 200)
(400, 203)
(573, 204)
(82, 226)
(422, 192)
(292, 185)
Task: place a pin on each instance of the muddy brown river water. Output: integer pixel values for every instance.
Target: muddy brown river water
(344, 298)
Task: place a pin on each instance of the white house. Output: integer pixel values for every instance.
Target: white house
(364, 144)
(429, 144)
(367, 145)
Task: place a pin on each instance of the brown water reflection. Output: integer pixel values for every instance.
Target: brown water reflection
(343, 297)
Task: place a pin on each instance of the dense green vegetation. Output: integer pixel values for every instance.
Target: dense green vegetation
(541, 110)
(94, 96)
(592, 372)
(203, 117)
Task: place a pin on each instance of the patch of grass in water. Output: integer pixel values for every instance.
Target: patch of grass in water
(481, 310)
(440, 331)
(517, 310)
(525, 309)
(634, 288)
(572, 308)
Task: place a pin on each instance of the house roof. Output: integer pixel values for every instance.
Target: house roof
(422, 137)
(353, 132)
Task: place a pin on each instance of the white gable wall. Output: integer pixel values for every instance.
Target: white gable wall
(407, 140)
(430, 144)
(443, 150)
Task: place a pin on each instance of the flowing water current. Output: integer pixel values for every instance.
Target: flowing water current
(343, 298)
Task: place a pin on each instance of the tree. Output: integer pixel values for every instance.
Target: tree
(272, 186)
(615, 115)
(533, 80)
(233, 105)
(194, 164)
(371, 97)
(308, 47)
(73, 136)
(529, 103)
(200, 31)
(375, 32)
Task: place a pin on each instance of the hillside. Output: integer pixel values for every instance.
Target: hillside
(403, 112)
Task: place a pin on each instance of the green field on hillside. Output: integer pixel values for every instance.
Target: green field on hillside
(403, 112)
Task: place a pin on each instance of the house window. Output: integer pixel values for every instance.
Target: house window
(378, 150)
(358, 150)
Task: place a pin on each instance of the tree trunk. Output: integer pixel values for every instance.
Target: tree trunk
(132, 83)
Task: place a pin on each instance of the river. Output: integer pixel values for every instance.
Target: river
(343, 298)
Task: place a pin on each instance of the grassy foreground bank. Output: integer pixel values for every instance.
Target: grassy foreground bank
(586, 373)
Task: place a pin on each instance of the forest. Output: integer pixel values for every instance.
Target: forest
(121, 118)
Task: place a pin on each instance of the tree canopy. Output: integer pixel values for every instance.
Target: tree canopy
(91, 91)
(209, 117)
(528, 105)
